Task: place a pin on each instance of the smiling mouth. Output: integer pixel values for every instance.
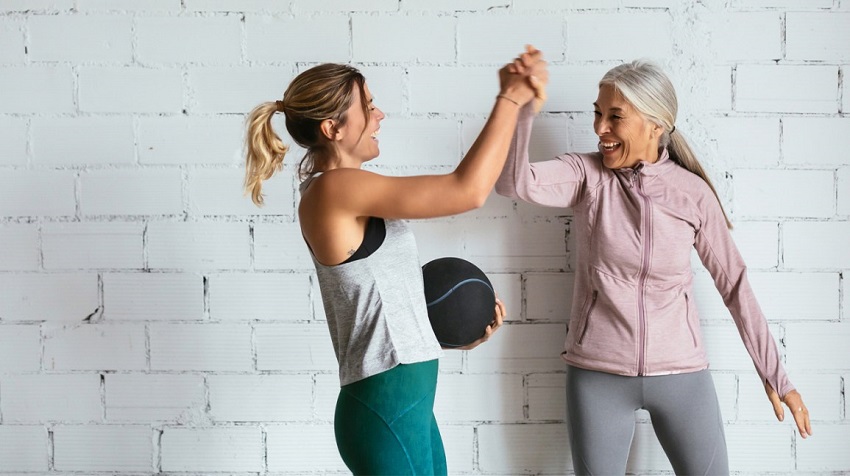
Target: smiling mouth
(609, 146)
(374, 135)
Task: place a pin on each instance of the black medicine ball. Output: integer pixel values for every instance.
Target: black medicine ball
(460, 298)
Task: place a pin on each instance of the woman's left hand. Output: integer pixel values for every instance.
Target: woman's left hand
(794, 401)
(498, 317)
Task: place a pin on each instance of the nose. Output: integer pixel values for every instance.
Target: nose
(601, 126)
(380, 114)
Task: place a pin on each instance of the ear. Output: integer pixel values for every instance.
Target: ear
(655, 130)
(328, 127)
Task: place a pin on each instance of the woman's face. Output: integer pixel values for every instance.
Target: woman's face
(626, 136)
(358, 138)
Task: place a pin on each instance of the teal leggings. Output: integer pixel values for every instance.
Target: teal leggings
(385, 424)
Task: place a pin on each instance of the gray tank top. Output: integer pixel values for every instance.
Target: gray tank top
(375, 307)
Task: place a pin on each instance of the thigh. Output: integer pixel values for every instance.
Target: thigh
(686, 418)
(600, 420)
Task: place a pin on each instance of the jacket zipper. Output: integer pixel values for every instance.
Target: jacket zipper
(644, 272)
(587, 317)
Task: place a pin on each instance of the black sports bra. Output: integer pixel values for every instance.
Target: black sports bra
(376, 231)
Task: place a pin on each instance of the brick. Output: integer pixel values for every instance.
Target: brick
(83, 38)
(328, 36)
(450, 6)
(544, 448)
(260, 398)
(844, 191)
(38, 5)
(547, 397)
(303, 448)
(212, 449)
(503, 245)
(786, 88)
(799, 148)
(48, 297)
(236, 89)
(103, 448)
(452, 89)
(580, 134)
(505, 41)
(95, 347)
(42, 398)
(13, 140)
(172, 6)
(131, 192)
(628, 36)
(726, 386)
(23, 448)
(420, 142)
(351, 6)
(459, 398)
(54, 189)
(295, 347)
(280, 246)
(325, 394)
(178, 140)
(758, 243)
(152, 297)
(817, 346)
(219, 192)
(780, 295)
(794, 4)
(219, 347)
(20, 348)
(386, 83)
(508, 288)
(784, 193)
(573, 5)
(459, 445)
(12, 39)
(521, 348)
(817, 36)
(130, 89)
(845, 107)
(760, 31)
(831, 251)
(198, 245)
(549, 297)
(826, 451)
(37, 89)
(19, 247)
(262, 296)
(748, 141)
(719, 84)
(437, 239)
(92, 245)
(759, 448)
(388, 38)
(724, 347)
(67, 141)
(145, 398)
(236, 6)
(452, 362)
(172, 40)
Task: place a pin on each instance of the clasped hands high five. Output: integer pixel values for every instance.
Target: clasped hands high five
(525, 78)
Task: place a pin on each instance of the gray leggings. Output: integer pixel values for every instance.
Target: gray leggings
(683, 408)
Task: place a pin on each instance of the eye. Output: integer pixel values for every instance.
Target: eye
(616, 118)
(597, 113)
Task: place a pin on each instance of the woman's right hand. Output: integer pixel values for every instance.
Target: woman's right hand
(525, 78)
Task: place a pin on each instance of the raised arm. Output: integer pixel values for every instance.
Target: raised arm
(362, 193)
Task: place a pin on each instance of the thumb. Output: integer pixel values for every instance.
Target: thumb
(775, 401)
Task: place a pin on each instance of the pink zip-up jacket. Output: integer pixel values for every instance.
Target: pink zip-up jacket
(633, 312)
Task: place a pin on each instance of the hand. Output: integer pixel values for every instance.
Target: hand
(498, 317)
(795, 403)
(525, 78)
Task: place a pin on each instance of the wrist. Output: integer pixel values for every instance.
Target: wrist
(508, 99)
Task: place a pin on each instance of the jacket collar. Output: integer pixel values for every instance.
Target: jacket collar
(660, 166)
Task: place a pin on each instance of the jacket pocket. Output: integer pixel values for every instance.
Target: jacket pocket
(587, 314)
(688, 318)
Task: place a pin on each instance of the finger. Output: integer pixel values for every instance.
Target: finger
(776, 402)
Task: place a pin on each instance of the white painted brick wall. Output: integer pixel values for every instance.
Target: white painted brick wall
(152, 320)
(84, 38)
(237, 448)
(188, 40)
(80, 141)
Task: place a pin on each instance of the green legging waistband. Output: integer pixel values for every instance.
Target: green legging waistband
(385, 424)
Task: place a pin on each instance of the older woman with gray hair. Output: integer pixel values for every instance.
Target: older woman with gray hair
(641, 202)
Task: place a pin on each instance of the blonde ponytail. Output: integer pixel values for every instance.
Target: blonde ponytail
(264, 150)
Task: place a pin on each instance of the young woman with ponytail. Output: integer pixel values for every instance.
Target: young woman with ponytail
(641, 203)
(366, 258)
